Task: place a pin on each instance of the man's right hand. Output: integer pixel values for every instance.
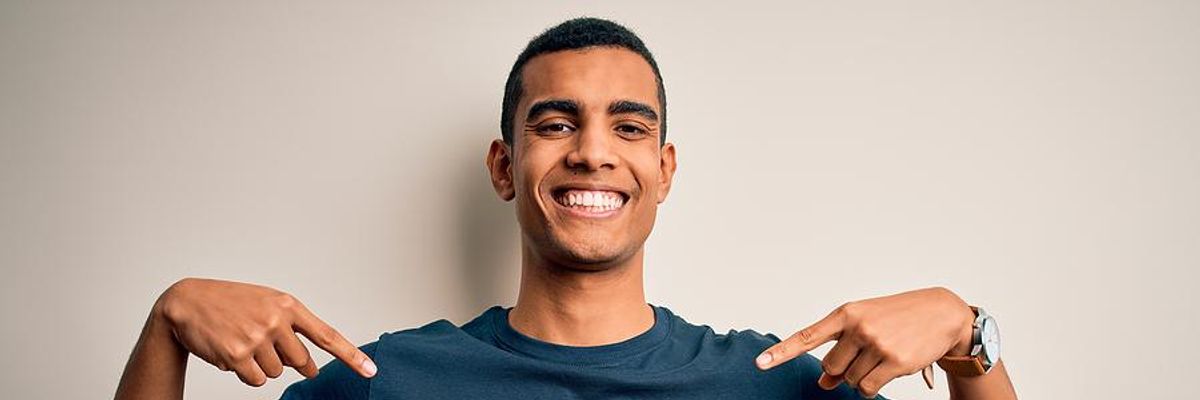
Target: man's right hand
(250, 329)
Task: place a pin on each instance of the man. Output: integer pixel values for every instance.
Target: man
(584, 154)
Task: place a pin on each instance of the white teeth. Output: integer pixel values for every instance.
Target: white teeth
(592, 200)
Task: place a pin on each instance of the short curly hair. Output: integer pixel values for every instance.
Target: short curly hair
(578, 33)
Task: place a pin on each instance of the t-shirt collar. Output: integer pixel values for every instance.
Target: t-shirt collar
(609, 354)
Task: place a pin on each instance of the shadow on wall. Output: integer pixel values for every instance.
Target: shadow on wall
(489, 239)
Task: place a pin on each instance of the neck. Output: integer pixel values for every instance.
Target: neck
(572, 307)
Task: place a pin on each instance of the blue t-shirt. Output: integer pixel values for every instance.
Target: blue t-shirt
(488, 359)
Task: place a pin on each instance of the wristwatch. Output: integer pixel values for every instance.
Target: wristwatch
(985, 348)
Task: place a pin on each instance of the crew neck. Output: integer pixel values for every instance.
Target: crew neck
(591, 356)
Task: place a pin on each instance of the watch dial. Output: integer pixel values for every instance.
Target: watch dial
(991, 340)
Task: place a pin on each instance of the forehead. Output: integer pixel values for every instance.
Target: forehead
(594, 76)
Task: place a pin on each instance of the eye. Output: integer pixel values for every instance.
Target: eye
(555, 128)
(630, 130)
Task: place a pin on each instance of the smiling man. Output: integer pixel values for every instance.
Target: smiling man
(584, 155)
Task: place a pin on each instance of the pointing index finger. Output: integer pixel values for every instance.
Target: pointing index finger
(330, 340)
(825, 330)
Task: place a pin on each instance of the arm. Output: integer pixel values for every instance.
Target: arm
(884, 338)
(157, 366)
(248, 329)
(993, 385)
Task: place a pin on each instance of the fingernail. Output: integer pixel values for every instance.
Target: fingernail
(369, 366)
(763, 359)
(826, 383)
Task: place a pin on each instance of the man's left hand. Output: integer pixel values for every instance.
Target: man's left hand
(882, 338)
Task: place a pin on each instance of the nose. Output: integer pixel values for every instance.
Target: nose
(592, 151)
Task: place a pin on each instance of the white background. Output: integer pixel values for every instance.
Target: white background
(1040, 158)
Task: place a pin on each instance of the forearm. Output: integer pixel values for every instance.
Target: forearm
(994, 385)
(157, 365)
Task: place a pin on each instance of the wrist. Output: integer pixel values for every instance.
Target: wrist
(164, 314)
(966, 335)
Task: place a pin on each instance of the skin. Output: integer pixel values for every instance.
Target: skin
(581, 274)
(246, 329)
(581, 278)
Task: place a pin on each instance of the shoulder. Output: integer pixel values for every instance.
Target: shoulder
(746, 340)
(440, 335)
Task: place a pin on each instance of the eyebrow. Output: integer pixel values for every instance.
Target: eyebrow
(632, 107)
(570, 107)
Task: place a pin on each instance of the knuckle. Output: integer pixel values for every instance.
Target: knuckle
(805, 335)
(867, 334)
(237, 352)
(295, 360)
(286, 301)
(781, 350)
(273, 322)
(256, 337)
(868, 387)
(835, 371)
(841, 311)
(325, 336)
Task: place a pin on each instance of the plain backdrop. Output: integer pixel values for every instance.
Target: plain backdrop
(1040, 158)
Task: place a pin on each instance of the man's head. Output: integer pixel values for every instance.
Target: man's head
(583, 149)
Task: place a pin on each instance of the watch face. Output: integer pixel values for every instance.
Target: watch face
(990, 334)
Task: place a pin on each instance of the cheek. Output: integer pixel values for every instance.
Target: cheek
(527, 180)
(646, 171)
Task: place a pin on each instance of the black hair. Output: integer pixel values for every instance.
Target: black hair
(578, 33)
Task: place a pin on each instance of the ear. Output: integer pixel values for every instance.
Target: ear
(666, 170)
(499, 165)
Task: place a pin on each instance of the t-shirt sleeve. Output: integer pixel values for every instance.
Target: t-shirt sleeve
(336, 381)
(809, 368)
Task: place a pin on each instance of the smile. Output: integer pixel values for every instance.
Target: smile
(590, 203)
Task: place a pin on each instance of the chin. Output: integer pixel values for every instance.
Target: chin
(591, 256)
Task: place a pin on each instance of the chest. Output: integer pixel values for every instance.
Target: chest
(474, 379)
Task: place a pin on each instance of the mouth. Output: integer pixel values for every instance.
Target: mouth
(590, 201)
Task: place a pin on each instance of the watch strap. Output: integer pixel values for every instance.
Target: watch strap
(967, 366)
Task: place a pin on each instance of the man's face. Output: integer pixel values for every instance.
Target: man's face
(586, 167)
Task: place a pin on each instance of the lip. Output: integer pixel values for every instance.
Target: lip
(559, 189)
